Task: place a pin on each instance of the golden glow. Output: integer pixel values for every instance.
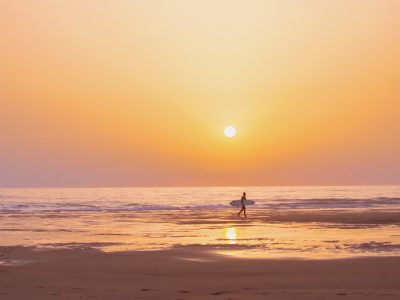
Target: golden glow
(230, 131)
(138, 92)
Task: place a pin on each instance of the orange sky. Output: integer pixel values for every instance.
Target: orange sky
(122, 93)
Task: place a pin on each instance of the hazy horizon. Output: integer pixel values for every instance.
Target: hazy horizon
(195, 186)
(138, 93)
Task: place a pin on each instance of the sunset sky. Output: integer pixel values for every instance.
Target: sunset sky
(138, 93)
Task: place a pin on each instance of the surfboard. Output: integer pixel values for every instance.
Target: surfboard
(239, 202)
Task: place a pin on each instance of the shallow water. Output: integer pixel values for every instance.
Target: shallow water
(351, 221)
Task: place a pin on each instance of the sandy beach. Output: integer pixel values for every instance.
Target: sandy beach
(77, 244)
(189, 273)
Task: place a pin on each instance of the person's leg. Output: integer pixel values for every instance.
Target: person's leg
(240, 211)
(244, 210)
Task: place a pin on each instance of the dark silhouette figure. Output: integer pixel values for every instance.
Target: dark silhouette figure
(243, 206)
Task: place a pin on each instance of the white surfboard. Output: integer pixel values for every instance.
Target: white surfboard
(239, 202)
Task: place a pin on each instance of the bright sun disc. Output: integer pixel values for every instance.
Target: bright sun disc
(230, 131)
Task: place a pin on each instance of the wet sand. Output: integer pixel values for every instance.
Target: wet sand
(359, 216)
(264, 233)
(189, 273)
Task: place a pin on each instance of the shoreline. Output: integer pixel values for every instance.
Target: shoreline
(190, 273)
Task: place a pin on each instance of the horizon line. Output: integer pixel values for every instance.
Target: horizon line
(197, 186)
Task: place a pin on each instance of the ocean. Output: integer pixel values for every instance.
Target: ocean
(304, 222)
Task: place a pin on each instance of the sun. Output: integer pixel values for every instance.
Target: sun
(230, 131)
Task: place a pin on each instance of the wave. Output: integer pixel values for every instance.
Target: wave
(332, 203)
(275, 204)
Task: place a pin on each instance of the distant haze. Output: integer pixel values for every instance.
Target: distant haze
(125, 93)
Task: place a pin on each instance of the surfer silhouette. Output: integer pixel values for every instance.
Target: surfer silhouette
(243, 206)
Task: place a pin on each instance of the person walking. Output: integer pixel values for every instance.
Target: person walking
(243, 205)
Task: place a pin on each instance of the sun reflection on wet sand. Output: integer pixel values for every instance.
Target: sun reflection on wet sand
(231, 235)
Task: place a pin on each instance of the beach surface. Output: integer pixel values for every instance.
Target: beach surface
(189, 243)
(189, 273)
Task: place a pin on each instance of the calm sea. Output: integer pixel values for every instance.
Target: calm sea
(181, 198)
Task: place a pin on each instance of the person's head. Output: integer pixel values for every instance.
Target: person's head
(244, 193)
